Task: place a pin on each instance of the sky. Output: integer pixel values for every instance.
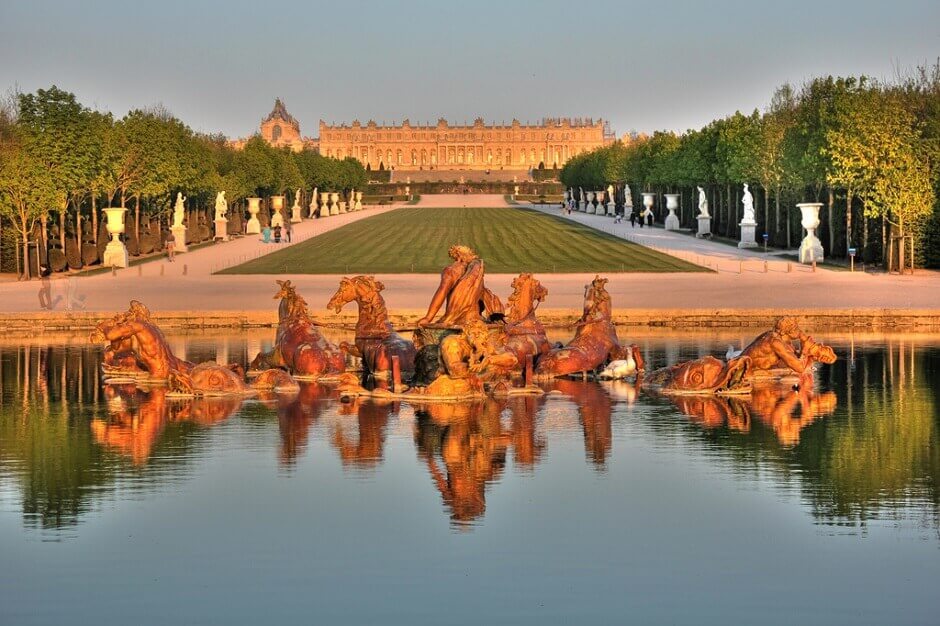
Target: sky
(666, 64)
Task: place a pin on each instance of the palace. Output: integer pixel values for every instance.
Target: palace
(479, 146)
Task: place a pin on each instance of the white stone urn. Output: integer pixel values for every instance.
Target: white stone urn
(589, 207)
(277, 205)
(115, 253)
(649, 199)
(254, 226)
(324, 204)
(358, 200)
(334, 207)
(408, 191)
(810, 248)
(672, 203)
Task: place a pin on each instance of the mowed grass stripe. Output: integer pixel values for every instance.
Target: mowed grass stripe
(510, 240)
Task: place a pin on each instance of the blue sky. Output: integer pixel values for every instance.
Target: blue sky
(642, 65)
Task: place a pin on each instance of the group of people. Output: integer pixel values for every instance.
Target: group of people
(645, 216)
(277, 232)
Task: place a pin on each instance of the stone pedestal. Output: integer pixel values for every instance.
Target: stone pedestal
(704, 226)
(589, 205)
(179, 234)
(810, 248)
(747, 235)
(115, 254)
(342, 206)
(611, 208)
(221, 229)
(334, 208)
(253, 226)
(324, 204)
(672, 203)
(295, 214)
(277, 219)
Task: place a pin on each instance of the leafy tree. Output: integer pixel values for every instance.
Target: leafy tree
(56, 131)
(26, 189)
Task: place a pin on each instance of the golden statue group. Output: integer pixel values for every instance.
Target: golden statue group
(475, 347)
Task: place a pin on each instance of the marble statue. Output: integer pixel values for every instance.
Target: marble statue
(627, 196)
(221, 206)
(313, 204)
(179, 209)
(702, 203)
(748, 201)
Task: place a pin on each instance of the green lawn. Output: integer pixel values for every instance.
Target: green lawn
(415, 240)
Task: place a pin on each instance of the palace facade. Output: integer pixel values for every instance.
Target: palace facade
(549, 143)
(478, 146)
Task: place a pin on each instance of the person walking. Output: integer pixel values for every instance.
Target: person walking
(287, 231)
(277, 234)
(649, 217)
(170, 247)
(45, 288)
(632, 219)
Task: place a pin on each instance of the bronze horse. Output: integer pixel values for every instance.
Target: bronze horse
(376, 340)
(595, 340)
(298, 346)
(525, 335)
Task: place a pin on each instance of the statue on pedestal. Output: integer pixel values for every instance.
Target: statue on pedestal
(179, 209)
(313, 204)
(221, 206)
(748, 201)
(702, 203)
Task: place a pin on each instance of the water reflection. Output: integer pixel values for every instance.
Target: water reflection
(784, 410)
(860, 446)
(136, 417)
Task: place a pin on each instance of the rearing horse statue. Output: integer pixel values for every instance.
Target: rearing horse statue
(525, 335)
(595, 339)
(298, 346)
(376, 340)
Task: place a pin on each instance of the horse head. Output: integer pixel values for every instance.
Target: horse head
(527, 293)
(813, 351)
(596, 300)
(358, 288)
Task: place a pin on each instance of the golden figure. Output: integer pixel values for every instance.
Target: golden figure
(462, 292)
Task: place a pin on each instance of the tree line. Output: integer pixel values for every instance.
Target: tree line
(62, 162)
(868, 150)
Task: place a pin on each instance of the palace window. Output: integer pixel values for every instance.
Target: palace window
(276, 132)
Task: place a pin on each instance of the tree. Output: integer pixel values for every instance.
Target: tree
(55, 131)
(26, 189)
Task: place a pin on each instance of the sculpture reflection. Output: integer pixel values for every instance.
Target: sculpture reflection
(137, 417)
(464, 448)
(365, 450)
(781, 408)
(594, 412)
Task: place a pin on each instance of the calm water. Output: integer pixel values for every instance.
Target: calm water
(601, 505)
